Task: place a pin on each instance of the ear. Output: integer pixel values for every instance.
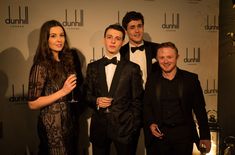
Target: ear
(177, 56)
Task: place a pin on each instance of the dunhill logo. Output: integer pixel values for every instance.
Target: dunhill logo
(76, 21)
(211, 91)
(194, 58)
(20, 19)
(212, 27)
(18, 99)
(175, 22)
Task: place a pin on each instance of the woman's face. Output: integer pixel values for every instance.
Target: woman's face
(56, 39)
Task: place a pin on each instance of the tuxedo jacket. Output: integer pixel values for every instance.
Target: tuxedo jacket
(126, 90)
(191, 99)
(150, 52)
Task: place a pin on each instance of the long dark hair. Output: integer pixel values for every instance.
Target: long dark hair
(44, 54)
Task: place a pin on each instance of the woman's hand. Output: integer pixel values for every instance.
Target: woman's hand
(69, 84)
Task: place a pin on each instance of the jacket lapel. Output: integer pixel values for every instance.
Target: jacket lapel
(158, 96)
(180, 89)
(126, 51)
(148, 54)
(116, 78)
(102, 79)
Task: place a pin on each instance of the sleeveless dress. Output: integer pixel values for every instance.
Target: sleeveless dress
(55, 122)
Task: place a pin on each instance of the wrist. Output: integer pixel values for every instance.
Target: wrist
(62, 92)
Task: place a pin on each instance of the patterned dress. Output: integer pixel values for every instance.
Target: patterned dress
(55, 122)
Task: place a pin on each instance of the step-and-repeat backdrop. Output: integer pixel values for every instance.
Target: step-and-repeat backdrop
(191, 24)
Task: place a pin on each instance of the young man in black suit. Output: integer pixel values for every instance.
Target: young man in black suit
(139, 51)
(114, 91)
(169, 100)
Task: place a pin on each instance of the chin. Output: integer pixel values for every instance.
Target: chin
(167, 70)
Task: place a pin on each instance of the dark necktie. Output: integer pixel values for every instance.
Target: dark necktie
(109, 61)
(141, 48)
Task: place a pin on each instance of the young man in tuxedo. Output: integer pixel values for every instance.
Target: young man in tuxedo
(170, 100)
(139, 51)
(114, 91)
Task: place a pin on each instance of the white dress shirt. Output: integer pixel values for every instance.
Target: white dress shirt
(139, 57)
(110, 70)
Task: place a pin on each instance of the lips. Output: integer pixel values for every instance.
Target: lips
(59, 45)
(112, 46)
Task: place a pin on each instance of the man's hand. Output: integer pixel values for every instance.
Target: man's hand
(103, 102)
(206, 144)
(156, 131)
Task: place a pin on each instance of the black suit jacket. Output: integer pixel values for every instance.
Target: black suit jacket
(126, 90)
(150, 50)
(191, 99)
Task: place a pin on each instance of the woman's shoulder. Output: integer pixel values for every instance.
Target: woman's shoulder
(38, 66)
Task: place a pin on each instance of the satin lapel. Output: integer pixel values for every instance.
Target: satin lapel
(116, 78)
(127, 50)
(158, 95)
(148, 54)
(102, 79)
(158, 90)
(180, 87)
(180, 91)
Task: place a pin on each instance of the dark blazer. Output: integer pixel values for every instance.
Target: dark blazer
(150, 49)
(191, 99)
(126, 90)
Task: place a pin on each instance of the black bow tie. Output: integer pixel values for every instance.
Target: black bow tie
(109, 61)
(141, 48)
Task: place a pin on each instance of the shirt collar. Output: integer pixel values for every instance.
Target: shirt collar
(117, 55)
(131, 45)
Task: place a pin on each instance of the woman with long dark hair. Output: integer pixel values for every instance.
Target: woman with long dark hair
(52, 78)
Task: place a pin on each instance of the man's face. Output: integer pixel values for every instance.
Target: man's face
(167, 58)
(113, 41)
(135, 32)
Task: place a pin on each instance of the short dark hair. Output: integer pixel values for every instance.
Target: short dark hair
(117, 27)
(168, 44)
(132, 15)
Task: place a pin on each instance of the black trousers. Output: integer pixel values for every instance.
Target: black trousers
(177, 140)
(121, 149)
(134, 142)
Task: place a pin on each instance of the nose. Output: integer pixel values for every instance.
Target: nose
(113, 40)
(165, 60)
(136, 29)
(59, 39)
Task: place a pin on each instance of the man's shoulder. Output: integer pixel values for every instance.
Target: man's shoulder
(129, 63)
(124, 48)
(95, 63)
(187, 74)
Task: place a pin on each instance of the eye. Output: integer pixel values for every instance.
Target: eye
(119, 38)
(52, 35)
(140, 26)
(108, 37)
(132, 27)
